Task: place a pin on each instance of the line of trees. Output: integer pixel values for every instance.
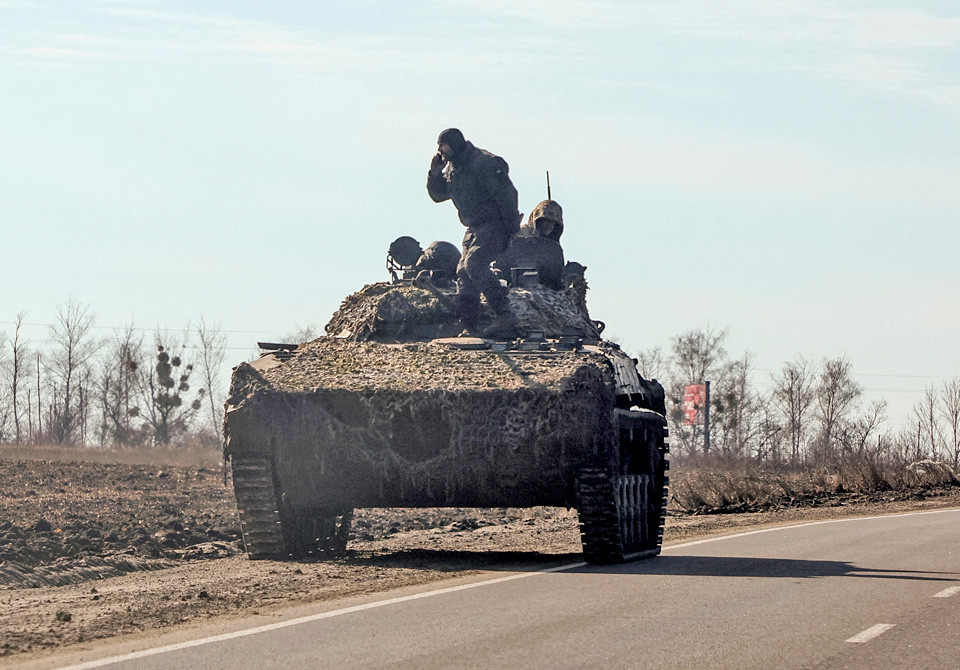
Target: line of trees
(164, 389)
(126, 390)
(814, 412)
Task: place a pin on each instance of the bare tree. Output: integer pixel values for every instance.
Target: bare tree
(696, 356)
(213, 347)
(734, 406)
(163, 388)
(865, 426)
(306, 333)
(929, 432)
(836, 394)
(653, 364)
(17, 368)
(117, 388)
(904, 445)
(699, 354)
(4, 393)
(73, 348)
(4, 416)
(770, 435)
(950, 413)
(793, 394)
(83, 403)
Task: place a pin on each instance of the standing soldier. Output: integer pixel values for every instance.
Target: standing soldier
(479, 185)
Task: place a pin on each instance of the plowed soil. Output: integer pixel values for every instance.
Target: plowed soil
(91, 548)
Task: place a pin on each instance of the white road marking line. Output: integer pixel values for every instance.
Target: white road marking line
(946, 593)
(429, 594)
(870, 633)
(312, 617)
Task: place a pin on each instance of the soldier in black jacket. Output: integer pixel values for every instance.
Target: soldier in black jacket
(479, 185)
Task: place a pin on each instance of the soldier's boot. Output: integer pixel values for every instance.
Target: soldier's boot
(504, 325)
(468, 309)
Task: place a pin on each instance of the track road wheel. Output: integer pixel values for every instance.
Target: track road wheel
(316, 531)
(255, 490)
(622, 513)
(272, 529)
(614, 516)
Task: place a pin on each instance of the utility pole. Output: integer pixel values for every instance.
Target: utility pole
(29, 417)
(706, 420)
(917, 457)
(39, 409)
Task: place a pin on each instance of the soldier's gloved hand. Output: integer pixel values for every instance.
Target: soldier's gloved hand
(436, 165)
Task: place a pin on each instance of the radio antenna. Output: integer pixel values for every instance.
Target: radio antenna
(548, 185)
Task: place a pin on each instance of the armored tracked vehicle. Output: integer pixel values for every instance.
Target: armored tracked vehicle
(395, 407)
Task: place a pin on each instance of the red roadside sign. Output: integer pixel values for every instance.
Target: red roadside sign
(694, 398)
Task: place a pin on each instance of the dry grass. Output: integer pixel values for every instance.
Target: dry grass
(704, 485)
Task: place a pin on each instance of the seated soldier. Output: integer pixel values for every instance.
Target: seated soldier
(546, 220)
(537, 246)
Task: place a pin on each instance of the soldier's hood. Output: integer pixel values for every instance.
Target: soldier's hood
(546, 212)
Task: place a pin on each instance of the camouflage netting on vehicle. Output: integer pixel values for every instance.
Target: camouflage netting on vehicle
(424, 424)
(333, 363)
(554, 312)
(387, 312)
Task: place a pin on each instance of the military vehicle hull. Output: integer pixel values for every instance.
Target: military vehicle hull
(466, 422)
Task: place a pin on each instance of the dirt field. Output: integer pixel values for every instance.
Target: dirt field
(92, 549)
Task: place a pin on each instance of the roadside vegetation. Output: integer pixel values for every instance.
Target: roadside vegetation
(704, 485)
(808, 437)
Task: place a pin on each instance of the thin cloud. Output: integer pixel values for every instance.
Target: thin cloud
(899, 53)
(749, 20)
(898, 76)
(60, 53)
(148, 34)
(875, 49)
(907, 29)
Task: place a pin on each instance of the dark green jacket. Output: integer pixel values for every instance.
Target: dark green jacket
(481, 190)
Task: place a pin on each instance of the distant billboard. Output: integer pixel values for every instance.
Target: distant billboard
(694, 399)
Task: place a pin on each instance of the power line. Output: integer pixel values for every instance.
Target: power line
(192, 346)
(873, 374)
(121, 328)
(865, 388)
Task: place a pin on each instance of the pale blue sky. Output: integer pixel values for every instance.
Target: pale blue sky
(788, 170)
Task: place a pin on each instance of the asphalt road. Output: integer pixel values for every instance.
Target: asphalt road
(852, 593)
